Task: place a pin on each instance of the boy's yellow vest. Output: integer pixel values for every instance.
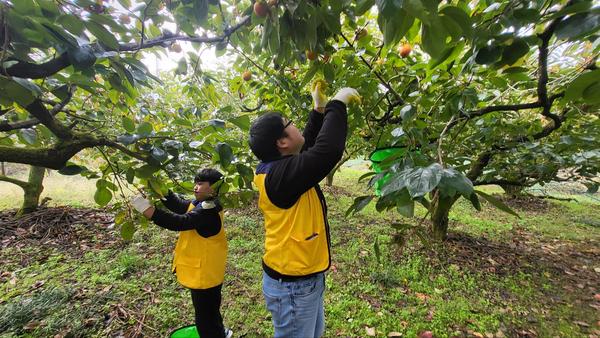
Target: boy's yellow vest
(296, 238)
(199, 262)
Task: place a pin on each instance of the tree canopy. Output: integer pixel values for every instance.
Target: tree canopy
(470, 92)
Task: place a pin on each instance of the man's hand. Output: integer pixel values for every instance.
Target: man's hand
(317, 89)
(347, 95)
(140, 203)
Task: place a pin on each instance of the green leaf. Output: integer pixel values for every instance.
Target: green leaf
(82, 57)
(475, 201)
(377, 250)
(363, 6)
(591, 94)
(128, 124)
(434, 39)
(127, 230)
(578, 26)
(158, 154)
(514, 52)
(460, 17)
(497, 203)
(216, 123)
(394, 25)
(242, 122)
(488, 54)
(420, 181)
(104, 36)
(225, 154)
(144, 128)
(102, 196)
(157, 187)
(454, 181)
(576, 88)
(146, 171)
(359, 204)
(127, 139)
(29, 135)
(71, 169)
(71, 23)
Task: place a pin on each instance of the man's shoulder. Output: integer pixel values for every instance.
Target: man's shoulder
(271, 166)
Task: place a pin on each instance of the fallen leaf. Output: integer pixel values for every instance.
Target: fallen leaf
(370, 331)
(426, 334)
(421, 296)
(38, 284)
(394, 334)
(584, 324)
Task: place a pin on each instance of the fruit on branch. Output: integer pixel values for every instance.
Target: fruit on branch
(261, 9)
(175, 48)
(405, 50)
(311, 55)
(124, 19)
(247, 75)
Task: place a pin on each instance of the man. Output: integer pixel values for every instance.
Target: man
(297, 241)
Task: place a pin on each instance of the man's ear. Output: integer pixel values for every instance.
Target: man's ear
(282, 143)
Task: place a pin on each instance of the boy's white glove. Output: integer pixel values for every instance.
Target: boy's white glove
(347, 95)
(317, 89)
(140, 203)
(208, 204)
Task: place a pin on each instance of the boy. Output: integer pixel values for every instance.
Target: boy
(201, 250)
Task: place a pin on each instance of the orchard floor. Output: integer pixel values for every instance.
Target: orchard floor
(66, 273)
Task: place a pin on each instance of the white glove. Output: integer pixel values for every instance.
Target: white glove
(140, 203)
(316, 91)
(208, 204)
(347, 95)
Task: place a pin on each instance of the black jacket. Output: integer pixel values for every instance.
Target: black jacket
(324, 143)
(207, 222)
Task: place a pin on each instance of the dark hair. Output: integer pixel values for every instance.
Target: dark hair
(264, 133)
(208, 175)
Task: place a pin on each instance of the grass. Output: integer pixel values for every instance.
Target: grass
(115, 288)
(64, 190)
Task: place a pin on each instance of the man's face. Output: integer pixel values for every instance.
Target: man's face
(293, 141)
(202, 190)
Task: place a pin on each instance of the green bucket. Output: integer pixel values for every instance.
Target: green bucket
(189, 331)
(380, 155)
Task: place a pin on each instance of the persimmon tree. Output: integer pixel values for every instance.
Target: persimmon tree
(472, 92)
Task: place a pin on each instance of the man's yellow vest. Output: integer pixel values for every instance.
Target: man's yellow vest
(199, 262)
(296, 241)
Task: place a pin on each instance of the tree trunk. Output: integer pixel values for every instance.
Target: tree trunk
(2, 169)
(512, 190)
(439, 218)
(32, 191)
(329, 178)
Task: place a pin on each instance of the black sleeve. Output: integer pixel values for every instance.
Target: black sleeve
(291, 176)
(175, 203)
(207, 222)
(313, 126)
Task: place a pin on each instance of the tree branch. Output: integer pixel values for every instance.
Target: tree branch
(39, 111)
(30, 70)
(56, 157)
(15, 181)
(58, 107)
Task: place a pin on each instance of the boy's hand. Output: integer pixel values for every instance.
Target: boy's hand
(140, 203)
(347, 95)
(317, 89)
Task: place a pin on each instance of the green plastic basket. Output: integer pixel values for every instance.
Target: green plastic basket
(188, 331)
(378, 156)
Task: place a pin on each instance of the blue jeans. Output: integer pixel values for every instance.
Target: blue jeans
(296, 307)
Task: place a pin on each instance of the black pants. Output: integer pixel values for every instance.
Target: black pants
(207, 304)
